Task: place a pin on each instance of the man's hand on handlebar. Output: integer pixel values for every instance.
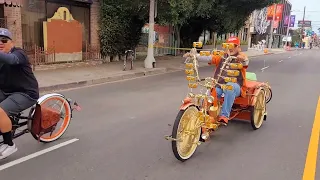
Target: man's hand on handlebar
(241, 58)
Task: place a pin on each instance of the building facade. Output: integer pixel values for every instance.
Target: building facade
(25, 19)
(279, 30)
(10, 17)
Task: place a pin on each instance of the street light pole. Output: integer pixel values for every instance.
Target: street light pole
(149, 62)
(272, 25)
(288, 28)
(302, 26)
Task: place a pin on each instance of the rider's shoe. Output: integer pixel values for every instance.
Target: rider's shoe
(223, 119)
(6, 150)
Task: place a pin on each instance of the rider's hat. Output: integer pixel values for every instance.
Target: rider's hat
(5, 33)
(234, 40)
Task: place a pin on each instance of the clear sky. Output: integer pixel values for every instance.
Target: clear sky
(312, 11)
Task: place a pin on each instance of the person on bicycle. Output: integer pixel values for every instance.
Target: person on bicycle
(18, 88)
(239, 88)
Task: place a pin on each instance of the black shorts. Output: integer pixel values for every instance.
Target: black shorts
(14, 103)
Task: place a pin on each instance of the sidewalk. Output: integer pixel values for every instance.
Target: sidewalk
(64, 76)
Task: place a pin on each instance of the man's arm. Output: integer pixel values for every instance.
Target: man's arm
(211, 60)
(14, 58)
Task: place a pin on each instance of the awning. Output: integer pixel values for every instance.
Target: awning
(85, 1)
(12, 2)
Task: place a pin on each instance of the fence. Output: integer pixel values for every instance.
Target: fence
(40, 56)
(162, 40)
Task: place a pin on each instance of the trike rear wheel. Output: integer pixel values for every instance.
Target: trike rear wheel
(59, 103)
(186, 130)
(258, 111)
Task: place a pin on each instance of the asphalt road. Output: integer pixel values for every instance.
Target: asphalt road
(122, 127)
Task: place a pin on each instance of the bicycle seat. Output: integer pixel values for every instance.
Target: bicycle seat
(251, 76)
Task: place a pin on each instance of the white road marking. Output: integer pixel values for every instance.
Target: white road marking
(264, 68)
(280, 60)
(36, 154)
(289, 57)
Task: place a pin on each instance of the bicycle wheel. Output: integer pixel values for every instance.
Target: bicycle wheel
(60, 104)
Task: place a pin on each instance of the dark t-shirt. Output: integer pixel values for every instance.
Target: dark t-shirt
(16, 74)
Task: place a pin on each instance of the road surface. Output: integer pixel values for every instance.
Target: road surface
(122, 127)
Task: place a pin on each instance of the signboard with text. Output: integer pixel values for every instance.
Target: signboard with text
(305, 23)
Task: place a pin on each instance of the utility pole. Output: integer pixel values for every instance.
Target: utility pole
(302, 26)
(272, 25)
(149, 62)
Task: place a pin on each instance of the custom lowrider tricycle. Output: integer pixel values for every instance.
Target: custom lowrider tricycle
(198, 115)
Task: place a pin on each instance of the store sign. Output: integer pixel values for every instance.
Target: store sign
(304, 23)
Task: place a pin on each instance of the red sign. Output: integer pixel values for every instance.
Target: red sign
(278, 15)
(279, 12)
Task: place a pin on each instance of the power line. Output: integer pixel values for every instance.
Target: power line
(306, 11)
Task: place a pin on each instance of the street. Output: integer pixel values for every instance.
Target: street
(122, 125)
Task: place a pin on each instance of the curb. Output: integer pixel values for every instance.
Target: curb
(114, 78)
(145, 73)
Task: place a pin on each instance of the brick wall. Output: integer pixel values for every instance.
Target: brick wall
(13, 15)
(94, 23)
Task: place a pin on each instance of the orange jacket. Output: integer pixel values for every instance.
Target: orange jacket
(216, 60)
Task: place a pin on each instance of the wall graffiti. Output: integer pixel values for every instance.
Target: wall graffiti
(260, 21)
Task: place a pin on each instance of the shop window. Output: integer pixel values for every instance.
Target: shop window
(32, 14)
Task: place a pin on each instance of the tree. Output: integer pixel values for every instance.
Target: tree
(175, 13)
(120, 25)
(121, 21)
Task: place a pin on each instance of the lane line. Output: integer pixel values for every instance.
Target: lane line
(36, 154)
(264, 68)
(280, 60)
(311, 160)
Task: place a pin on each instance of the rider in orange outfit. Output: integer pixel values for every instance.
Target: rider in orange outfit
(239, 88)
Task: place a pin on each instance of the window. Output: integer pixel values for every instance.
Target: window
(32, 14)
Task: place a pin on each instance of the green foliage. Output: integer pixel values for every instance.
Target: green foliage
(121, 21)
(120, 25)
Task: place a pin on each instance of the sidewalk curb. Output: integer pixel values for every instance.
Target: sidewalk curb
(105, 79)
(119, 77)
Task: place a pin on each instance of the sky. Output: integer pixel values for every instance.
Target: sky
(312, 11)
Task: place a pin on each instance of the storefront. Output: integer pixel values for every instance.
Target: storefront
(35, 12)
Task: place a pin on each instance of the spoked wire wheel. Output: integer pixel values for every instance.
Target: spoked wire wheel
(258, 111)
(187, 131)
(59, 104)
(268, 94)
